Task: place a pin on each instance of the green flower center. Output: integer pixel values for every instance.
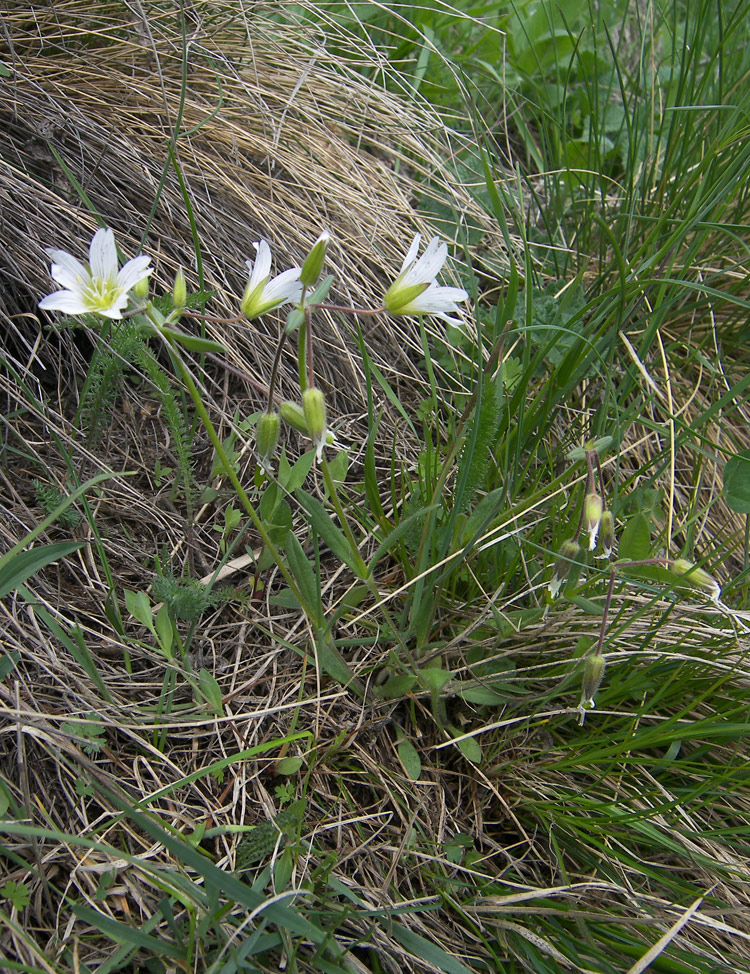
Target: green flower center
(101, 294)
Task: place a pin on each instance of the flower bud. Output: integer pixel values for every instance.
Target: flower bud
(179, 291)
(593, 674)
(140, 289)
(313, 264)
(294, 416)
(267, 438)
(696, 577)
(566, 557)
(607, 534)
(593, 508)
(314, 406)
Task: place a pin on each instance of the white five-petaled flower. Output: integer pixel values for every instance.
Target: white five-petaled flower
(97, 287)
(263, 294)
(415, 290)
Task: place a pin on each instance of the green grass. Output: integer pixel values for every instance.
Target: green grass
(357, 746)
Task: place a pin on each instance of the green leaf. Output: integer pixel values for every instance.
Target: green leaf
(339, 466)
(635, 542)
(409, 757)
(298, 472)
(469, 747)
(434, 678)
(428, 952)
(192, 343)
(24, 564)
(139, 607)
(164, 630)
(323, 525)
(7, 664)
(211, 691)
(333, 662)
(321, 291)
(122, 933)
(289, 765)
(4, 800)
(295, 320)
(396, 686)
(399, 531)
(737, 482)
(483, 696)
(17, 893)
(304, 575)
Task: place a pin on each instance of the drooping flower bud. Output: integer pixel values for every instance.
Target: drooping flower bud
(696, 577)
(607, 534)
(294, 416)
(593, 674)
(313, 264)
(314, 406)
(593, 508)
(267, 438)
(566, 557)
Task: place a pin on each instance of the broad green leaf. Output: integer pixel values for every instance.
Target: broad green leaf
(289, 765)
(164, 630)
(332, 662)
(409, 757)
(483, 696)
(737, 482)
(396, 686)
(139, 607)
(469, 747)
(635, 542)
(434, 678)
(339, 466)
(300, 470)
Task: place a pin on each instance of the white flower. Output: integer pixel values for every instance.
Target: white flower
(415, 290)
(97, 287)
(263, 294)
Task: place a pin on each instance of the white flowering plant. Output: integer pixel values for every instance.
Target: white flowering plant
(104, 289)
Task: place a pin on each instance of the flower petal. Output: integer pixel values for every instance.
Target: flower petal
(68, 271)
(103, 255)
(69, 302)
(411, 256)
(134, 271)
(284, 287)
(261, 267)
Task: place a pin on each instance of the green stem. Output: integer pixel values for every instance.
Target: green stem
(302, 355)
(234, 479)
(361, 568)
